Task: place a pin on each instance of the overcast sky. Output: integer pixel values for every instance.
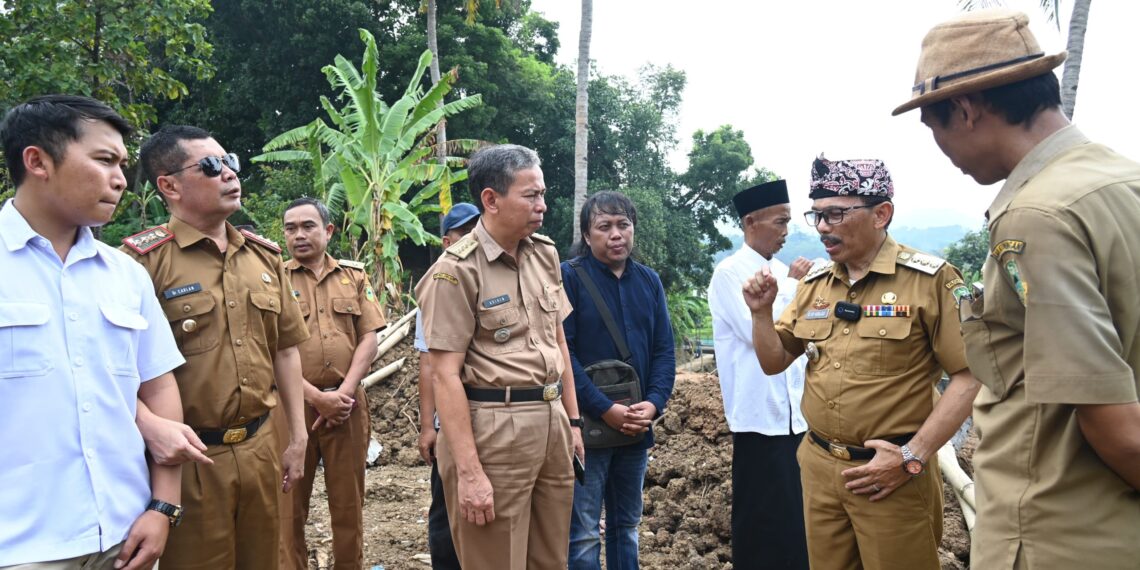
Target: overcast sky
(804, 76)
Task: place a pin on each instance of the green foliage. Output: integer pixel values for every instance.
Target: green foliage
(969, 254)
(137, 210)
(717, 164)
(374, 164)
(690, 317)
(121, 52)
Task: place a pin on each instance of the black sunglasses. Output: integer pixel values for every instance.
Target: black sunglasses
(212, 165)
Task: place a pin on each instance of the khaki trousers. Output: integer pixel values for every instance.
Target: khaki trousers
(848, 532)
(525, 451)
(344, 450)
(230, 519)
(97, 561)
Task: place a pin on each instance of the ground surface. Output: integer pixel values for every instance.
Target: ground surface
(687, 488)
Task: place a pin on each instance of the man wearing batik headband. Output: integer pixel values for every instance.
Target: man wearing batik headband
(879, 325)
(1054, 337)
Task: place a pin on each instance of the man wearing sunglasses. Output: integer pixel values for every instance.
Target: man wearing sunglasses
(228, 300)
(879, 326)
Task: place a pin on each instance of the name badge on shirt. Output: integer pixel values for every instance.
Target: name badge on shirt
(181, 290)
(496, 301)
(817, 314)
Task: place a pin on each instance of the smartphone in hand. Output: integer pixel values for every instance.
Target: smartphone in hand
(579, 469)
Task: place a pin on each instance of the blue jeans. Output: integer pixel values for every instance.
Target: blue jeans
(615, 475)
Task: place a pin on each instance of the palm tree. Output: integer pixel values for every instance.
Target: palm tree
(581, 114)
(1078, 25)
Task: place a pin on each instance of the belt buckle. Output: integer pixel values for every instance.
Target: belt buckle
(550, 392)
(839, 451)
(234, 435)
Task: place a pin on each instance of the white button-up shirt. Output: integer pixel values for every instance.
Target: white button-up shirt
(77, 338)
(753, 401)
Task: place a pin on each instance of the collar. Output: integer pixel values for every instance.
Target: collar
(491, 248)
(605, 269)
(1032, 164)
(16, 233)
(752, 255)
(331, 264)
(186, 235)
(884, 262)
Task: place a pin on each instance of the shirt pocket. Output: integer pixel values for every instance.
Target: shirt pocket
(345, 312)
(883, 349)
(501, 330)
(551, 304)
(816, 331)
(265, 308)
(24, 340)
(194, 323)
(120, 338)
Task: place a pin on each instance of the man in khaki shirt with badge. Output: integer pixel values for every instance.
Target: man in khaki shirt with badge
(229, 303)
(1053, 333)
(342, 313)
(879, 326)
(493, 307)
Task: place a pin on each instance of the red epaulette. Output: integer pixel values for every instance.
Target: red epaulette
(147, 240)
(261, 240)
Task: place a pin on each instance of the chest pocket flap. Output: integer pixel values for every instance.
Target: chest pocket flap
(890, 328)
(810, 330)
(23, 314)
(265, 300)
(346, 305)
(188, 306)
(551, 298)
(121, 316)
(496, 319)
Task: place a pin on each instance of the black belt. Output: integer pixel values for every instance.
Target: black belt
(848, 452)
(232, 435)
(511, 394)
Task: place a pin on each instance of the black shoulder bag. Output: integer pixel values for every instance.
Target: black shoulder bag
(615, 378)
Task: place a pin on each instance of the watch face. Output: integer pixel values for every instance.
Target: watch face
(914, 467)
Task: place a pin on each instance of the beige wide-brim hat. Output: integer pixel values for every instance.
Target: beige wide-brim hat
(976, 51)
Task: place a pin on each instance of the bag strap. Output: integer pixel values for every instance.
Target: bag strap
(603, 308)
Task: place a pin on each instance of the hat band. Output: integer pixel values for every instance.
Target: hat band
(933, 82)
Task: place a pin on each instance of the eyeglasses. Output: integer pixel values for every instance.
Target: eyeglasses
(832, 216)
(212, 165)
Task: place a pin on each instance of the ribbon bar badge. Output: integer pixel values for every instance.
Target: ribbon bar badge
(886, 310)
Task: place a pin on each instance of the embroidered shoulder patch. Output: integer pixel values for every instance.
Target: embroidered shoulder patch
(446, 277)
(350, 263)
(818, 270)
(1017, 281)
(1007, 246)
(923, 262)
(263, 241)
(954, 282)
(145, 241)
(463, 247)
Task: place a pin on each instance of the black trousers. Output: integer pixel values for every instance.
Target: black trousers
(440, 545)
(767, 503)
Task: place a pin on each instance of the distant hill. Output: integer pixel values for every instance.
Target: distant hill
(802, 244)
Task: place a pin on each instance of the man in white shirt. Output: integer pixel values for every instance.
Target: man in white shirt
(82, 339)
(763, 411)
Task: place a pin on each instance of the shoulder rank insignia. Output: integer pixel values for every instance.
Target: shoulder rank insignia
(818, 270)
(350, 263)
(147, 240)
(923, 262)
(463, 247)
(261, 240)
(542, 239)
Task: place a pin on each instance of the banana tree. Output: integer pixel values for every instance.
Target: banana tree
(373, 164)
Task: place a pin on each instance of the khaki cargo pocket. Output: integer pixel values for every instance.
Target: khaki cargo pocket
(193, 321)
(263, 316)
(882, 349)
(345, 312)
(500, 330)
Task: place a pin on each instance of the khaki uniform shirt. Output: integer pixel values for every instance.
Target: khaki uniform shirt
(339, 307)
(503, 312)
(875, 377)
(1058, 324)
(230, 313)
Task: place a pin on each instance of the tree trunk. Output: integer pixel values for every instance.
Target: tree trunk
(1078, 24)
(581, 113)
(433, 45)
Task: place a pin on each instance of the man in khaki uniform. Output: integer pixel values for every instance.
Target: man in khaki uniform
(878, 325)
(1052, 335)
(340, 307)
(228, 300)
(493, 309)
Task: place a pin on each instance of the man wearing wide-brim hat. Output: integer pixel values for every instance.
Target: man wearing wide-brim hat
(1053, 335)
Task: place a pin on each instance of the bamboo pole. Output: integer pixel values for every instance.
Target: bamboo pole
(392, 340)
(960, 482)
(387, 332)
(382, 373)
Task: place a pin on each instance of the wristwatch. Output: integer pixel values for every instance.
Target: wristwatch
(911, 463)
(577, 422)
(173, 512)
